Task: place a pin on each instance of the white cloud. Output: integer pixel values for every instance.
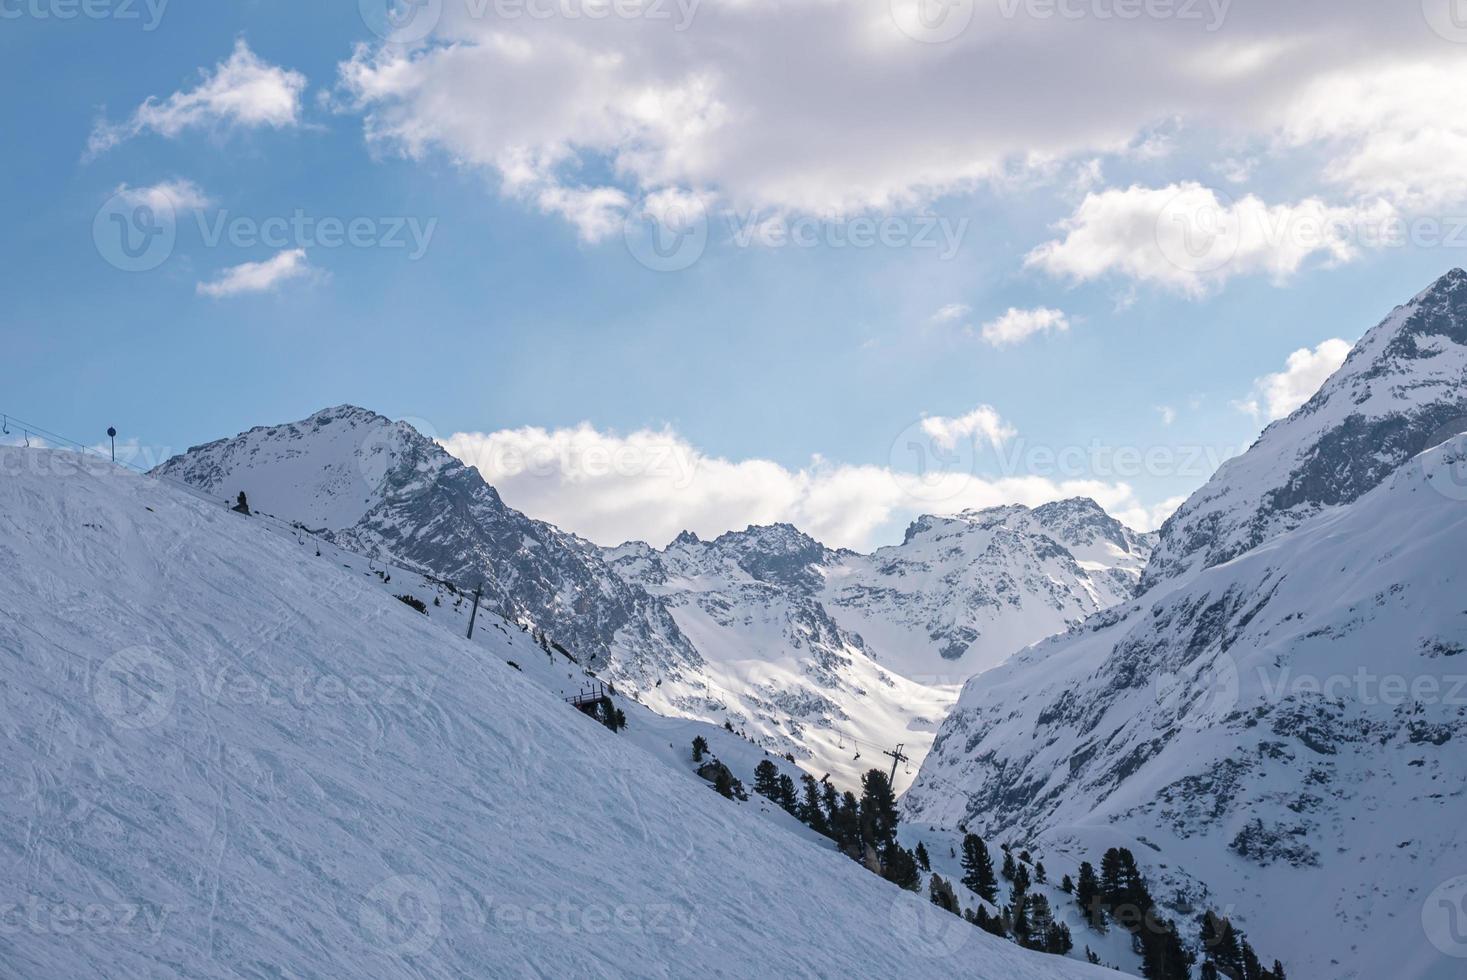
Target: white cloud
(167, 196)
(1167, 413)
(951, 312)
(1192, 239)
(257, 277)
(1397, 131)
(756, 104)
(1277, 395)
(649, 485)
(982, 423)
(243, 91)
(1016, 326)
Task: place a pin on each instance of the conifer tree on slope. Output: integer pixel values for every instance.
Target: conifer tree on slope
(788, 799)
(1087, 896)
(810, 812)
(941, 893)
(922, 860)
(766, 780)
(879, 817)
(978, 869)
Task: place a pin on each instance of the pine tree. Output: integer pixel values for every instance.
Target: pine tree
(1019, 921)
(788, 799)
(879, 817)
(700, 746)
(1067, 885)
(1087, 896)
(1057, 939)
(1220, 946)
(723, 782)
(899, 866)
(810, 813)
(1039, 875)
(922, 857)
(766, 780)
(1008, 865)
(847, 825)
(1252, 968)
(1278, 971)
(832, 801)
(941, 893)
(978, 869)
(1040, 918)
(1021, 879)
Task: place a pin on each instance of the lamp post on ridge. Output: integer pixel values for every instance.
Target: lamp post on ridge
(112, 434)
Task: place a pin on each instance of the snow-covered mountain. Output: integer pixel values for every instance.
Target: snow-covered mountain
(226, 754)
(1271, 726)
(382, 488)
(829, 656)
(1400, 391)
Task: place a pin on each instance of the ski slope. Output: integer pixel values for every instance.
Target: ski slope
(226, 755)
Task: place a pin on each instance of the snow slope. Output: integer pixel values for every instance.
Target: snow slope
(227, 755)
(1279, 735)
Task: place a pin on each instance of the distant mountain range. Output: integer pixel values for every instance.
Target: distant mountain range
(823, 654)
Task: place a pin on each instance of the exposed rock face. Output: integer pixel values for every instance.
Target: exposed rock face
(380, 487)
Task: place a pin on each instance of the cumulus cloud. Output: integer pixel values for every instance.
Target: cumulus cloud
(1397, 131)
(1275, 396)
(257, 277)
(243, 91)
(1017, 325)
(1192, 239)
(651, 484)
(983, 423)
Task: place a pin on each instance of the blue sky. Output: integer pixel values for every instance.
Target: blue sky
(790, 377)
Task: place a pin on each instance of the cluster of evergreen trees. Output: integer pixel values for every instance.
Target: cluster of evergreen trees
(864, 829)
(1226, 953)
(1028, 918)
(1119, 894)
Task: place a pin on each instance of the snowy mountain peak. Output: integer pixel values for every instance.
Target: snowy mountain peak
(1402, 389)
(687, 538)
(383, 488)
